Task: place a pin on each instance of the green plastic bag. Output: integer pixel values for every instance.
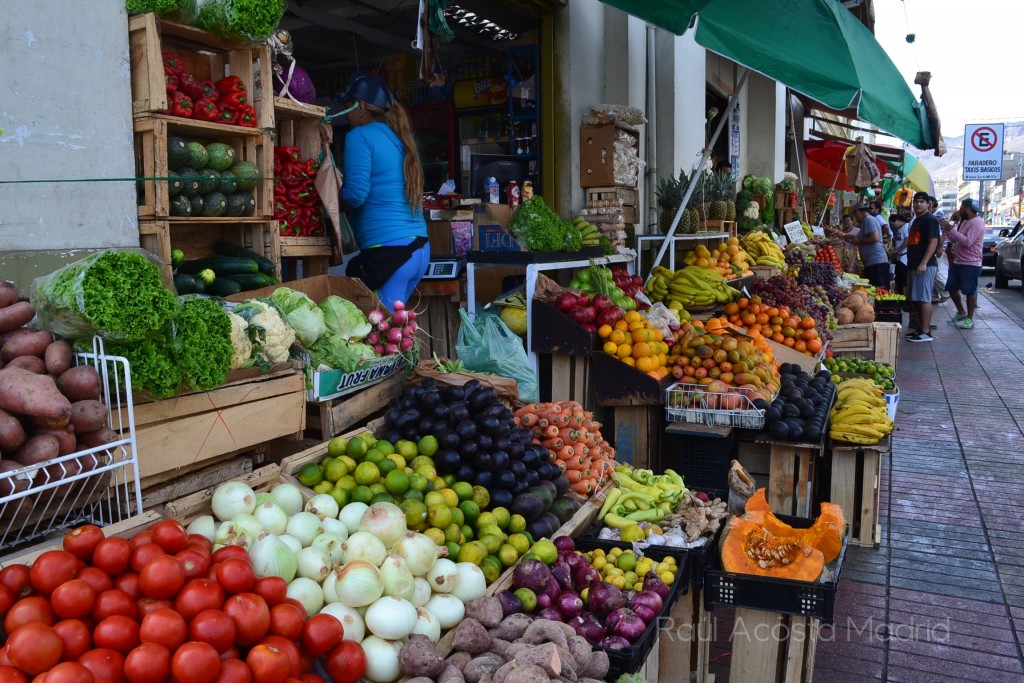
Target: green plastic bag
(488, 345)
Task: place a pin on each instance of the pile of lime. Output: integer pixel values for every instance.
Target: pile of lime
(625, 570)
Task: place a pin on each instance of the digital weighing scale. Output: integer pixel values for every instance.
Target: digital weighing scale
(445, 268)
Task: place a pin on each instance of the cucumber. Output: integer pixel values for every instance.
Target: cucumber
(229, 249)
(184, 284)
(221, 265)
(252, 280)
(222, 286)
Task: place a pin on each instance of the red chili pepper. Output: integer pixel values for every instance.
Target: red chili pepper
(181, 105)
(205, 109)
(172, 63)
(209, 90)
(170, 83)
(247, 116)
(228, 114)
(284, 228)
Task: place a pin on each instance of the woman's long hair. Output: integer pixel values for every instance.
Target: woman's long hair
(398, 120)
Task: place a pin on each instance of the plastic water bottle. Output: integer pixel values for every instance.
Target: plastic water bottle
(492, 190)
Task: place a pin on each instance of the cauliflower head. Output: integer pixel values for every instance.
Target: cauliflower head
(240, 342)
(271, 336)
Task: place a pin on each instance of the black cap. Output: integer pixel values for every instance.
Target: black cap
(862, 207)
(369, 89)
(970, 203)
(922, 195)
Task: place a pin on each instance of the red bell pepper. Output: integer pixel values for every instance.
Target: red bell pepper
(209, 90)
(229, 85)
(170, 83)
(314, 223)
(247, 116)
(189, 85)
(234, 98)
(181, 105)
(312, 167)
(205, 109)
(287, 153)
(228, 114)
(173, 64)
(284, 228)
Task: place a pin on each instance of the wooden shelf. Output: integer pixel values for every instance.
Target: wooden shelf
(207, 129)
(285, 108)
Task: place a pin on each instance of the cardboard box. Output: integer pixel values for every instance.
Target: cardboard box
(329, 384)
(490, 226)
(597, 154)
(440, 235)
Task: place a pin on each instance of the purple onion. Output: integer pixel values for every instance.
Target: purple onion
(590, 629)
(648, 599)
(532, 574)
(630, 626)
(604, 598)
(614, 643)
(614, 617)
(575, 561)
(569, 605)
(550, 613)
(653, 582)
(544, 601)
(562, 574)
(584, 576)
(510, 603)
(564, 544)
(645, 613)
(553, 591)
(629, 595)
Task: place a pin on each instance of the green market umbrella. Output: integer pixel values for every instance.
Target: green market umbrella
(815, 47)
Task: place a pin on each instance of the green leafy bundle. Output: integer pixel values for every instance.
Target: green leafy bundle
(118, 295)
(175, 10)
(246, 20)
(538, 228)
(154, 369)
(202, 343)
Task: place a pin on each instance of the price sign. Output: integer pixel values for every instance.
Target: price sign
(795, 232)
(818, 230)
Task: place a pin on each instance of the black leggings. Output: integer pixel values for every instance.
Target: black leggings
(900, 284)
(878, 274)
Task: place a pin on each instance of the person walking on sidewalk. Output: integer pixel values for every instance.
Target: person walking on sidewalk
(922, 243)
(967, 239)
(869, 245)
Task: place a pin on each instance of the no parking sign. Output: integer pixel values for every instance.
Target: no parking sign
(983, 151)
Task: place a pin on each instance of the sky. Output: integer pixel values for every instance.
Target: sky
(972, 49)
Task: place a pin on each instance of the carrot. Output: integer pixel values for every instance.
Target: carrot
(584, 486)
(528, 419)
(551, 431)
(567, 453)
(561, 465)
(574, 476)
(552, 444)
(569, 435)
(542, 422)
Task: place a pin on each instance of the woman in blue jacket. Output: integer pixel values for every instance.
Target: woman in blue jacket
(382, 191)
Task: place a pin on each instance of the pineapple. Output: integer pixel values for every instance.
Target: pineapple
(721, 196)
(669, 193)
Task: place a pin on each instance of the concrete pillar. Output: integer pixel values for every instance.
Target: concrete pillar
(680, 108)
(765, 135)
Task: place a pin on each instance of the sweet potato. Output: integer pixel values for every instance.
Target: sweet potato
(478, 667)
(10, 485)
(12, 432)
(471, 637)
(459, 659)
(596, 666)
(544, 631)
(25, 393)
(80, 383)
(9, 293)
(543, 656)
(16, 315)
(419, 657)
(33, 364)
(486, 610)
(64, 435)
(27, 344)
(100, 437)
(38, 449)
(451, 674)
(88, 415)
(512, 627)
(530, 673)
(58, 358)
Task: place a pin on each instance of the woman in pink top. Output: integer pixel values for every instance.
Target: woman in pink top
(966, 239)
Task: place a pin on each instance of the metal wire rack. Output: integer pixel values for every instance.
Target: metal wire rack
(693, 403)
(98, 485)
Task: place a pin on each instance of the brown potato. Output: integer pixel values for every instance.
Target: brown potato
(38, 449)
(9, 293)
(33, 364)
(11, 485)
(58, 358)
(14, 334)
(64, 435)
(27, 345)
(80, 383)
(12, 432)
(100, 437)
(16, 315)
(88, 415)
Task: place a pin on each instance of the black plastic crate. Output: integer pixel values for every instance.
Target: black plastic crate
(702, 461)
(889, 316)
(683, 557)
(800, 598)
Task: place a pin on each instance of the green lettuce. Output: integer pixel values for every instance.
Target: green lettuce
(301, 313)
(335, 352)
(154, 369)
(344, 319)
(202, 343)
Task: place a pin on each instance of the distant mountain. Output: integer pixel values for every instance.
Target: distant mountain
(946, 169)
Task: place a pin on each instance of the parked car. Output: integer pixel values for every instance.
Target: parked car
(993, 236)
(1010, 257)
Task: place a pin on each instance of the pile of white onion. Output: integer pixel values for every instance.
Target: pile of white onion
(360, 564)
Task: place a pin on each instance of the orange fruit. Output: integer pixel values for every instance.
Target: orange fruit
(807, 323)
(814, 345)
(604, 331)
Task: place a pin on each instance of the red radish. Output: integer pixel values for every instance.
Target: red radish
(394, 335)
(400, 317)
(399, 306)
(383, 326)
(407, 344)
(378, 349)
(390, 348)
(375, 317)
(373, 338)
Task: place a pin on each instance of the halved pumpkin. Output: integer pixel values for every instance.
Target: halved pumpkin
(826, 534)
(749, 548)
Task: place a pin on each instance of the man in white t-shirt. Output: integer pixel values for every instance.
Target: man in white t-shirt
(900, 226)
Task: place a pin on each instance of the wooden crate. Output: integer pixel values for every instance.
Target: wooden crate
(765, 272)
(155, 497)
(853, 337)
(760, 654)
(151, 133)
(615, 196)
(684, 641)
(727, 227)
(204, 56)
(160, 237)
(791, 476)
(856, 485)
(883, 347)
(567, 379)
(636, 434)
(437, 304)
(181, 432)
(330, 418)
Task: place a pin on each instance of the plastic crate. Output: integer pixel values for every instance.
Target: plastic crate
(683, 557)
(693, 403)
(702, 461)
(801, 598)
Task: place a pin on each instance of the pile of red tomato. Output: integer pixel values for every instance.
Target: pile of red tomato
(158, 607)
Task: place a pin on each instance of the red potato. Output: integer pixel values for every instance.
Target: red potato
(38, 449)
(88, 415)
(80, 383)
(33, 364)
(10, 485)
(58, 358)
(100, 437)
(12, 432)
(27, 345)
(16, 315)
(64, 435)
(24, 393)
(9, 293)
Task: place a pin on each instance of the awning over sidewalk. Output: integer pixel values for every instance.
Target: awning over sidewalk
(815, 47)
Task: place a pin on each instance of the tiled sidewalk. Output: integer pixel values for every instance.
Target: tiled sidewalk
(947, 584)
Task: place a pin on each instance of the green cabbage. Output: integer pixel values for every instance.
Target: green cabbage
(344, 319)
(301, 313)
(335, 352)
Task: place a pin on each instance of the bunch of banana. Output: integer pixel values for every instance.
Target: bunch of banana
(691, 286)
(860, 414)
(763, 250)
(590, 232)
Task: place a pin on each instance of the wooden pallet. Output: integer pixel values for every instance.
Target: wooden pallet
(856, 485)
(204, 56)
(759, 655)
(437, 304)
